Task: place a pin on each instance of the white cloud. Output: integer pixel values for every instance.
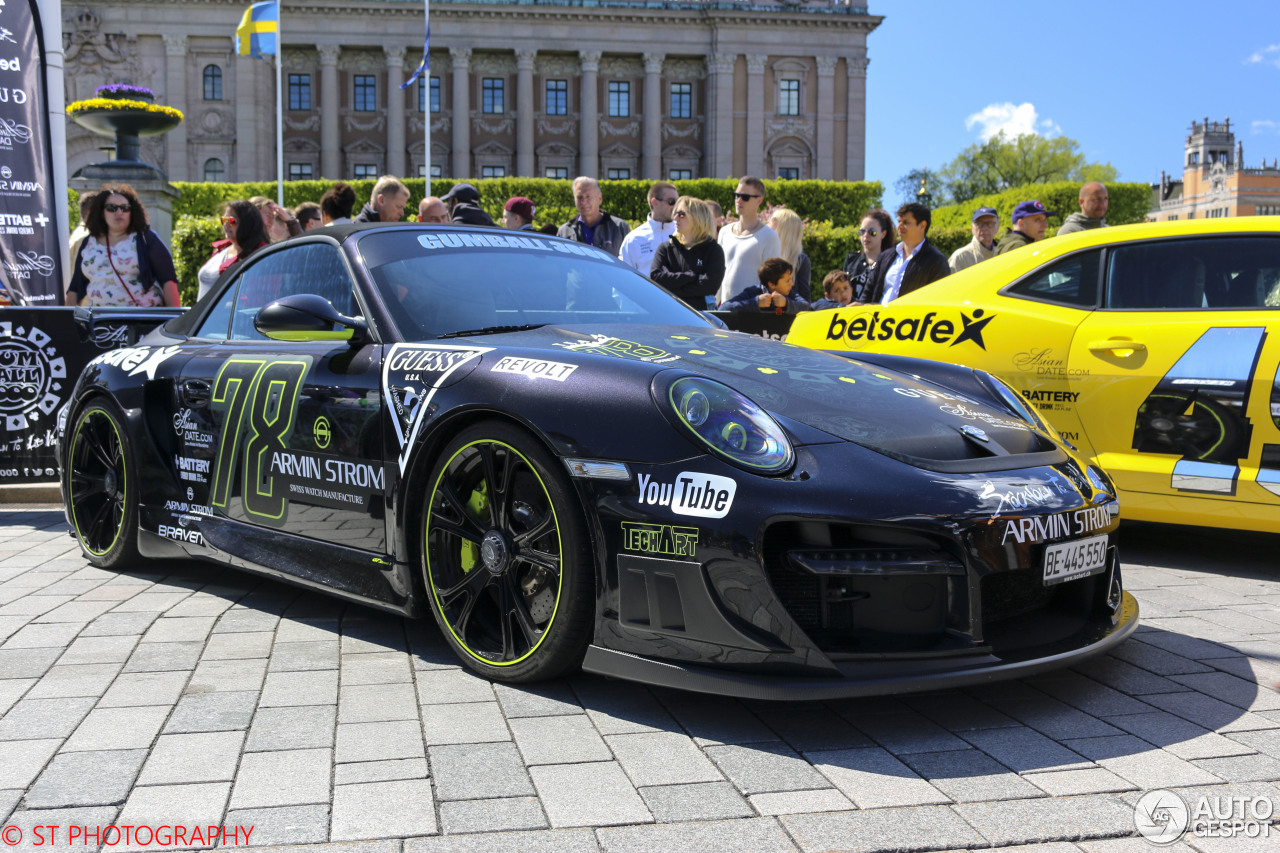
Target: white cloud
(1013, 120)
(1269, 55)
(1265, 126)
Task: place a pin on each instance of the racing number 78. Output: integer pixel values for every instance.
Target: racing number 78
(267, 391)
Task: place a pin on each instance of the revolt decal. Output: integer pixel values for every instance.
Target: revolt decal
(535, 368)
(1042, 528)
(659, 539)
(704, 495)
(925, 329)
(411, 375)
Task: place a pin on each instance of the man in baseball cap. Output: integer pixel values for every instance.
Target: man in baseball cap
(518, 214)
(985, 223)
(464, 206)
(1030, 219)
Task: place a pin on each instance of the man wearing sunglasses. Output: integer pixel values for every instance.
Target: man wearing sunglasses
(748, 242)
(639, 245)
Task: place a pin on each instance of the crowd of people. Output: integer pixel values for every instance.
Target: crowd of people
(752, 262)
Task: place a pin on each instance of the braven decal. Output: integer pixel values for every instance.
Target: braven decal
(704, 495)
(921, 330)
(1042, 528)
(659, 539)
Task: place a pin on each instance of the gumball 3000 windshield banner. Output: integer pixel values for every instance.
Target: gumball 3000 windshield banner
(30, 257)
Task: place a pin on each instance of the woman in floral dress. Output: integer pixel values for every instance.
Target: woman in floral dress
(122, 261)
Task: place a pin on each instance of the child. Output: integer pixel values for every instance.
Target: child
(839, 292)
(773, 293)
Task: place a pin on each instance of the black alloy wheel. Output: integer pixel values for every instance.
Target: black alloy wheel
(102, 487)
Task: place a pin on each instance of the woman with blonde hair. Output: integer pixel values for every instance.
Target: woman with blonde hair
(790, 230)
(691, 264)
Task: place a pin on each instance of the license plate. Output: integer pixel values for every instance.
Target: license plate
(1070, 560)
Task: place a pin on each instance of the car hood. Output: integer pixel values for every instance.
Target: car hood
(873, 406)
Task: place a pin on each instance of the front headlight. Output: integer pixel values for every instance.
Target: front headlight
(728, 423)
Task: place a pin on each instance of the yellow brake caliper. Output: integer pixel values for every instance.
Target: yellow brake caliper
(478, 503)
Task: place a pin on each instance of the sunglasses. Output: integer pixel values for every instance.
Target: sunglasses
(228, 220)
(745, 196)
(116, 208)
(680, 214)
(668, 200)
(870, 232)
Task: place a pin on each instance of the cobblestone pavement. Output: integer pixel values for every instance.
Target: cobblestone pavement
(186, 695)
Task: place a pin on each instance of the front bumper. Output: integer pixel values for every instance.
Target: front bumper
(870, 678)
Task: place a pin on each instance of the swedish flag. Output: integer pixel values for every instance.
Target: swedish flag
(256, 35)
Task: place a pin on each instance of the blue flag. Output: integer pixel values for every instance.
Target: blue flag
(425, 64)
(256, 35)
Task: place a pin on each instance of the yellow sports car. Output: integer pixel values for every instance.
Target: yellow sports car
(1153, 348)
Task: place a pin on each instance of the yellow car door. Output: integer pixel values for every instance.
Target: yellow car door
(1177, 373)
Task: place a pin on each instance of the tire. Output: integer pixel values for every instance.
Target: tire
(505, 556)
(102, 487)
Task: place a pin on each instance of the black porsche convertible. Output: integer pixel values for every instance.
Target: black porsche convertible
(571, 469)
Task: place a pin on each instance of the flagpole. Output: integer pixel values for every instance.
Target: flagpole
(279, 105)
(426, 150)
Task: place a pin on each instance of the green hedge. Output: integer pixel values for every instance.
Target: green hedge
(1129, 203)
(193, 238)
(842, 202)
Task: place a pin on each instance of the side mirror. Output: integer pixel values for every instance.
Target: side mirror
(308, 317)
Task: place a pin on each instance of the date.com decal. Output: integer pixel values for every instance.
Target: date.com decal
(1163, 817)
(77, 835)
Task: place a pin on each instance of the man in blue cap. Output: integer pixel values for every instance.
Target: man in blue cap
(985, 223)
(1030, 219)
(464, 206)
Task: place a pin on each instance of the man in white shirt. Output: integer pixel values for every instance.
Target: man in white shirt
(639, 245)
(747, 243)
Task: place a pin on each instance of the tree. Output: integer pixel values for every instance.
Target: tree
(909, 187)
(1001, 163)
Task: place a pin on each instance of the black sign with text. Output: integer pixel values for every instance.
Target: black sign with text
(30, 248)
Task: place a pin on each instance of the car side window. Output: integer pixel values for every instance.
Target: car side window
(1191, 275)
(214, 326)
(1071, 281)
(307, 268)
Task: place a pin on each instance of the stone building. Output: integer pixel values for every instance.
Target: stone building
(1215, 182)
(552, 88)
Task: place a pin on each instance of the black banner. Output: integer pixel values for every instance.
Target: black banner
(766, 324)
(42, 352)
(30, 248)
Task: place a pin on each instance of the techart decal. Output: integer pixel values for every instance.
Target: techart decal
(411, 375)
(618, 348)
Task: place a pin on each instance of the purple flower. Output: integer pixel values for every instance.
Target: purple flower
(118, 89)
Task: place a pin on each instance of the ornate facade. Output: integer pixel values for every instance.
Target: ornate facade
(549, 88)
(1215, 182)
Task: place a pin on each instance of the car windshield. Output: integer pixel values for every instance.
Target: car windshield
(439, 281)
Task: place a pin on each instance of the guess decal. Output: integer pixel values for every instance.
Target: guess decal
(535, 368)
(411, 376)
(1042, 528)
(659, 539)
(618, 348)
(919, 329)
(704, 495)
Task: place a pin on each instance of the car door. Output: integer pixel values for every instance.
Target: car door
(1177, 374)
(286, 434)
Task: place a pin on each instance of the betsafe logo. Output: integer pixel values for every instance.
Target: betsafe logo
(920, 329)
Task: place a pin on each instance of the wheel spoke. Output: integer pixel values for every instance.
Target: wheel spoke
(542, 559)
(84, 487)
(473, 581)
(497, 486)
(454, 501)
(545, 525)
(94, 534)
(94, 446)
(466, 531)
(523, 617)
(506, 604)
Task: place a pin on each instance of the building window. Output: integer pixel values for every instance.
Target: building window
(435, 94)
(789, 98)
(493, 171)
(680, 175)
(619, 98)
(299, 91)
(300, 171)
(366, 93)
(788, 173)
(214, 171)
(558, 172)
(435, 171)
(212, 83)
(557, 98)
(366, 171)
(492, 91)
(681, 100)
(619, 174)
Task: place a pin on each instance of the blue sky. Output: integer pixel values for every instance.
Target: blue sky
(1124, 78)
